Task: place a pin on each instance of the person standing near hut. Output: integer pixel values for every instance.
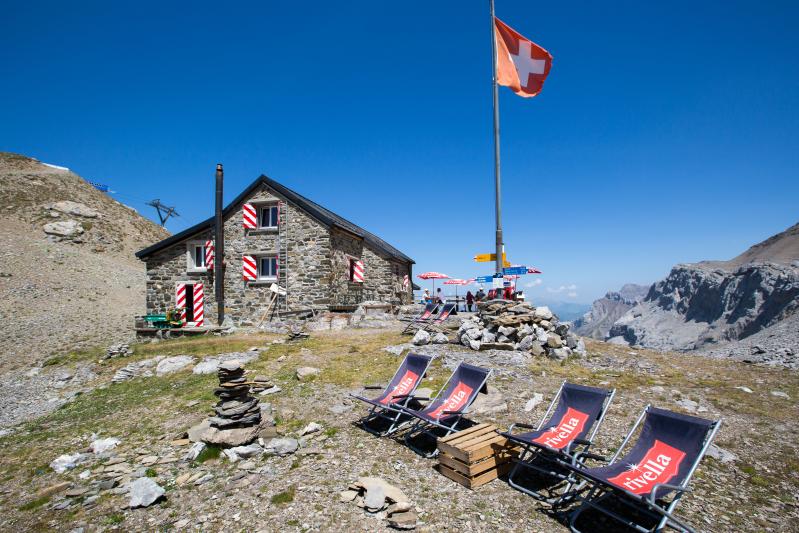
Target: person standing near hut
(469, 300)
(440, 296)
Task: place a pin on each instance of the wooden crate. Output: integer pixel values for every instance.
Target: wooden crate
(475, 456)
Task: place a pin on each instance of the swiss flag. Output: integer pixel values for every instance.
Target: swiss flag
(522, 65)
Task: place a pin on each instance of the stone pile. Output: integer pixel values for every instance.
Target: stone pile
(118, 350)
(236, 408)
(509, 325)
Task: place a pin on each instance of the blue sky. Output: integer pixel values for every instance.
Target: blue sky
(666, 132)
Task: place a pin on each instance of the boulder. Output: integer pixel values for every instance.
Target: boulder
(474, 334)
(474, 344)
(64, 228)
(69, 207)
(488, 337)
(403, 520)
(203, 432)
(507, 331)
(554, 341)
(537, 349)
(375, 499)
(421, 338)
(144, 492)
(282, 446)
(543, 313)
(559, 354)
(525, 344)
(392, 493)
(496, 346)
(440, 338)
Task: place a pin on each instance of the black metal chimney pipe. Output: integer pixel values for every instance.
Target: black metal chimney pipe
(219, 250)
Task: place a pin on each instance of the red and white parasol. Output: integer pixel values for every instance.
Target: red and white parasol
(434, 276)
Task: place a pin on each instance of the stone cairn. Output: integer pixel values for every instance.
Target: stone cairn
(118, 350)
(236, 408)
(509, 325)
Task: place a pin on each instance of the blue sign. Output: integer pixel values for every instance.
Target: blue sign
(518, 271)
(484, 279)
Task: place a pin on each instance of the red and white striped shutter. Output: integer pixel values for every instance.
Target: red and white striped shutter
(357, 272)
(180, 300)
(406, 281)
(250, 220)
(209, 255)
(199, 304)
(249, 268)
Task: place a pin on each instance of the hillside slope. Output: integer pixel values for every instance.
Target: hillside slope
(712, 302)
(78, 285)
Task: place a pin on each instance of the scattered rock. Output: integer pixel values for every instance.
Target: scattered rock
(282, 446)
(65, 462)
(144, 492)
(780, 394)
(534, 402)
(313, 427)
(721, 455)
(169, 365)
(64, 228)
(306, 372)
(99, 446)
(440, 338)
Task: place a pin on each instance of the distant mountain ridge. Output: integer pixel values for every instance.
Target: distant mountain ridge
(604, 312)
(702, 304)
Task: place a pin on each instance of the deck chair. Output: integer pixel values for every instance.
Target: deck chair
(384, 408)
(572, 426)
(423, 317)
(445, 410)
(443, 314)
(661, 463)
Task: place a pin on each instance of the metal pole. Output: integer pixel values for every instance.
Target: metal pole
(219, 250)
(498, 242)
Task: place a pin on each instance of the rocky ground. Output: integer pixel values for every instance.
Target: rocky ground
(125, 440)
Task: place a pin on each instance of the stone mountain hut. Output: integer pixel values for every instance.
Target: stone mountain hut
(274, 235)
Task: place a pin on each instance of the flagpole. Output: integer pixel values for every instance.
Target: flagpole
(498, 206)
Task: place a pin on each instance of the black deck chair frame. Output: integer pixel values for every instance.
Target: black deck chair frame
(591, 405)
(443, 314)
(435, 416)
(428, 313)
(685, 434)
(385, 406)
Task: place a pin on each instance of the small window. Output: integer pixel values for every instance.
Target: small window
(268, 216)
(199, 257)
(195, 256)
(267, 267)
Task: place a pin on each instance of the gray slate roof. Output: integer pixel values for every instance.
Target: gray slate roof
(316, 211)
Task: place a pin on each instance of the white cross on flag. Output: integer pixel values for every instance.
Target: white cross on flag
(522, 65)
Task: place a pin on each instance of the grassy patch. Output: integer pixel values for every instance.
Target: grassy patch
(34, 504)
(150, 472)
(210, 452)
(286, 496)
(114, 519)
